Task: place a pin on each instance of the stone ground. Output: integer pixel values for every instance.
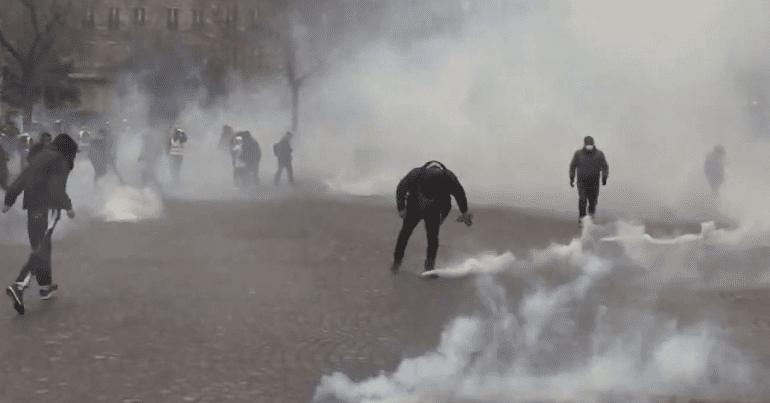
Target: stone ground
(254, 301)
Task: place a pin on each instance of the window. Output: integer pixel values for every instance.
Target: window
(114, 20)
(139, 16)
(253, 19)
(88, 20)
(172, 21)
(198, 20)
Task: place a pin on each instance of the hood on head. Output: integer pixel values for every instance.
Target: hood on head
(67, 146)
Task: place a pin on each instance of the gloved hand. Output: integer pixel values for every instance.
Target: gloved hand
(604, 181)
(6, 208)
(466, 218)
(572, 184)
(71, 213)
(402, 214)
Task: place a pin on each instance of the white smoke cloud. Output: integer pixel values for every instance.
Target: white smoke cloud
(535, 353)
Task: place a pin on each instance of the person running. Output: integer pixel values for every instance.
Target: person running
(44, 184)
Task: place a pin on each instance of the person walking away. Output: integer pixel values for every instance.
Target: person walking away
(591, 165)
(44, 184)
(715, 168)
(176, 153)
(424, 194)
(282, 150)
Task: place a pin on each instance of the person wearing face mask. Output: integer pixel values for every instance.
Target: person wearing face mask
(589, 165)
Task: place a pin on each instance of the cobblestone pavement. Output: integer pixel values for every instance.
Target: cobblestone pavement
(253, 302)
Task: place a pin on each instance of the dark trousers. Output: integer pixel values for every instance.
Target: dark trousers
(289, 171)
(39, 263)
(246, 176)
(433, 219)
(588, 193)
(3, 175)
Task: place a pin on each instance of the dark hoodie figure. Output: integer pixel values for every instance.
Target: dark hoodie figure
(715, 168)
(97, 154)
(44, 183)
(590, 164)
(282, 150)
(45, 143)
(425, 194)
(246, 157)
(226, 138)
(176, 153)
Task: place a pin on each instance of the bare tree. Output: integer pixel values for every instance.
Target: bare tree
(33, 68)
(292, 35)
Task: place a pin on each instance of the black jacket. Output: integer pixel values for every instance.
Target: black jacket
(425, 189)
(43, 181)
(282, 150)
(36, 149)
(589, 164)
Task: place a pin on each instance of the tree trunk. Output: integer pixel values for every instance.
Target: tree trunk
(27, 116)
(294, 106)
(28, 101)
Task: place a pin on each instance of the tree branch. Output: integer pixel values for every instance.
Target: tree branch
(33, 16)
(46, 34)
(16, 55)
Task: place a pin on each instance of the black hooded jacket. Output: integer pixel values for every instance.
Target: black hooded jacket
(424, 189)
(44, 180)
(589, 164)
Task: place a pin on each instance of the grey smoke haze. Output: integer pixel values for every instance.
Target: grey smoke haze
(503, 98)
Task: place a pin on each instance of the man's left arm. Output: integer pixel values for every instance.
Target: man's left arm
(605, 170)
(458, 192)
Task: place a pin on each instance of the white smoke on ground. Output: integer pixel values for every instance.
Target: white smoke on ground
(543, 348)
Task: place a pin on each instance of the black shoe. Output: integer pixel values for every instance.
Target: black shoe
(395, 267)
(15, 293)
(47, 291)
(432, 275)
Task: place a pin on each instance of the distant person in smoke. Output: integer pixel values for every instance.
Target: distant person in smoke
(282, 150)
(246, 157)
(590, 165)
(175, 149)
(84, 140)
(227, 137)
(25, 142)
(46, 142)
(239, 166)
(148, 164)
(97, 154)
(44, 184)
(424, 194)
(58, 126)
(715, 168)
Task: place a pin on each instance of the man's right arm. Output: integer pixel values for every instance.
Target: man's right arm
(28, 174)
(573, 167)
